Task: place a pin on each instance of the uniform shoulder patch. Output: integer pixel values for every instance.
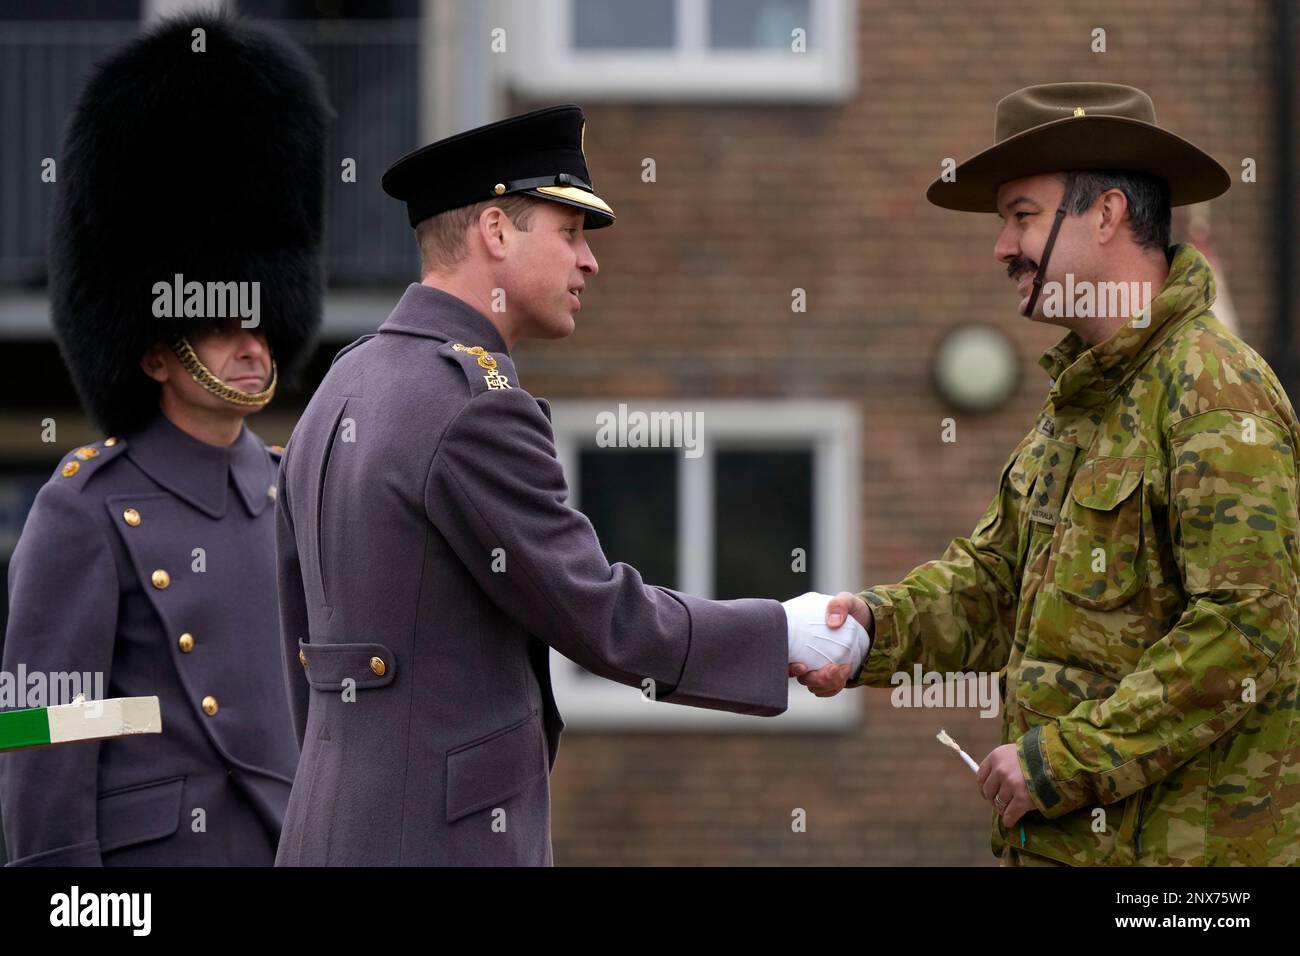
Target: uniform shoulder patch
(351, 345)
(485, 371)
(79, 464)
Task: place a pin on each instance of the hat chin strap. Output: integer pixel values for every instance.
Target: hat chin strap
(1047, 249)
(204, 376)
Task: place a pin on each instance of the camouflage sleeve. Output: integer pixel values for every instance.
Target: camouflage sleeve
(956, 613)
(1233, 521)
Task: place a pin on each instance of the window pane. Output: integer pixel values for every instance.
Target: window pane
(624, 24)
(631, 498)
(757, 24)
(763, 511)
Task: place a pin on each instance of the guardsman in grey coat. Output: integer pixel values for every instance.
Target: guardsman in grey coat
(148, 558)
(428, 560)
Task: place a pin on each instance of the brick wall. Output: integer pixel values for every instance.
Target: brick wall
(693, 299)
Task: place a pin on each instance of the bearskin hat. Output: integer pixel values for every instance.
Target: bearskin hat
(195, 150)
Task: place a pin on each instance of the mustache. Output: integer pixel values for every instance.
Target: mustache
(1019, 265)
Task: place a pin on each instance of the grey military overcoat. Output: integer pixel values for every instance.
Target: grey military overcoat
(427, 559)
(150, 559)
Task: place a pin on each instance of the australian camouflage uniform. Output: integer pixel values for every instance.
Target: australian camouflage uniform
(1135, 580)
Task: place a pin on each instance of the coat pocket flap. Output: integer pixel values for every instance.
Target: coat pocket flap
(484, 772)
(1103, 483)
(149, 811)
(1099, 551)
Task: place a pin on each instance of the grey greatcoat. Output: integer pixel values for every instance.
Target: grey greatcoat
(105, 579)
(427, 562)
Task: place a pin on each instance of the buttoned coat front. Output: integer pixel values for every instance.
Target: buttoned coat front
(149, 559)
(428, 561)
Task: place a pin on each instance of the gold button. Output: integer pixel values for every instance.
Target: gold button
(161, 579)
(71, 468)
(278, 449)
(110, 442)
(499, 188)
(86, 452)
(302, 658)
(209, 705)
(186, 642)
(377, 665)
(131, 517)
(272, 492)
(487, 361)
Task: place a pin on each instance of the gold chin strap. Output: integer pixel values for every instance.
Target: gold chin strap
(204, 376)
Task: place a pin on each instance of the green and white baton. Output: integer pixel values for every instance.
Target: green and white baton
(78, 721)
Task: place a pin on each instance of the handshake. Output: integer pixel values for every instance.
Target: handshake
(822, 656)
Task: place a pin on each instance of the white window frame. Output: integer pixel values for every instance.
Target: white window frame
(830, 429)
(545, 63)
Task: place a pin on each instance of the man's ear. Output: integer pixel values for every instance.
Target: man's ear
(492, 223)
(1114, 210)
(154, 364)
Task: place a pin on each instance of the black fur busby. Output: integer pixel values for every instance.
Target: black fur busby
(189, 154)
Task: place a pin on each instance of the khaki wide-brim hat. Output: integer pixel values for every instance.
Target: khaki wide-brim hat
(1057, 127)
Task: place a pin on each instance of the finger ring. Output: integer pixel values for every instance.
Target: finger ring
(997, 802)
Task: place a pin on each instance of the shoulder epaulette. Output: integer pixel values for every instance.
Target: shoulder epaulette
(79, 464)
(484, 370)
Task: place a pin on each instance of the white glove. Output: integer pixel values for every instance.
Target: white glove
(815, 645)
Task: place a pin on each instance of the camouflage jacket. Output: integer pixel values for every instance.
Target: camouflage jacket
(1135, 581)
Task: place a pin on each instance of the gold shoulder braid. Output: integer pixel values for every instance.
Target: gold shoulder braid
(204, 376)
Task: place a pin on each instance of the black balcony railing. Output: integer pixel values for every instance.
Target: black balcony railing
(371, 69)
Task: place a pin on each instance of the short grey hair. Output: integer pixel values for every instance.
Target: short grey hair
(1149, 213)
